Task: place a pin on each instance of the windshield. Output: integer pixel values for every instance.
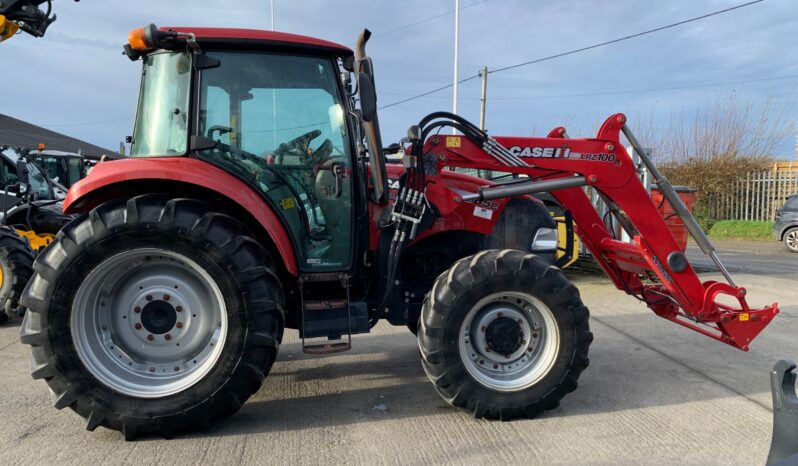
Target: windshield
(63, 170)
(9, 174)
(38, 182)
(278, 122)
(255, 102)
(162, 116)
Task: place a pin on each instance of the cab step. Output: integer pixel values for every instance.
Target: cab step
(328, 317)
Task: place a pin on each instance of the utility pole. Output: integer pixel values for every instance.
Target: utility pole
(274, 93)
(483, 73)
(272, 8)
(456, 53)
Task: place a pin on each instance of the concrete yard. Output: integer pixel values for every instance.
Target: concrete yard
(655, 393)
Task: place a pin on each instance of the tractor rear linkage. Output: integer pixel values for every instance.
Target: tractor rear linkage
(652, 267)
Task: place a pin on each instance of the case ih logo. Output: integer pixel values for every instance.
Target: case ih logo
(558, 153)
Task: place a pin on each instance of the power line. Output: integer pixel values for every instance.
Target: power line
(626, 91)
(587, 94)
(399, 28)
(620, 39)
(428, 92)
(582, 49)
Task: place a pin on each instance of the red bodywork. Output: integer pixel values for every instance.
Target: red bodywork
(91, 191)
(264, 38)
(678, 296)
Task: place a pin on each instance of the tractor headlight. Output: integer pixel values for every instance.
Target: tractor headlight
(545, 239)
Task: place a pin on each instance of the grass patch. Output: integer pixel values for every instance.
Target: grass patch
(741, 229)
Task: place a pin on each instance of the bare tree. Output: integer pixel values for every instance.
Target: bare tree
(726, 126)
(719, 144)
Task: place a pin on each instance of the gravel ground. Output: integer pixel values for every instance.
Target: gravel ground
(655, 393)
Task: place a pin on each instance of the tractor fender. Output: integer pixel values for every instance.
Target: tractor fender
(182, 175)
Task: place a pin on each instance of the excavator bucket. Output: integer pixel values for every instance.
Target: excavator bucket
(7, 28)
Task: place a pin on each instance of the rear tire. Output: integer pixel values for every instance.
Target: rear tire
(791, 239)
(16, 266)
(504, 335)
(223, 276)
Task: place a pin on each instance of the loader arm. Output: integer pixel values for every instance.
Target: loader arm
(651, 267)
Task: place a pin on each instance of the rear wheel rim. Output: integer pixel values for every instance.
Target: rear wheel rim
(149, 323)
(792, 240)
(6, 278)
(509, 341)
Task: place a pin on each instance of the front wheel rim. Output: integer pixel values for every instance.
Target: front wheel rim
(792, 240)
(149, 323)
(509, 341)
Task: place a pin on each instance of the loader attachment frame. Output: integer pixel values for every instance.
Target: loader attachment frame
(651, 267)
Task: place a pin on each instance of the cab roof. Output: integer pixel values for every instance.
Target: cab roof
(255, 39)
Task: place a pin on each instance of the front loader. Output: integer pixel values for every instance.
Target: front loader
(257, 198)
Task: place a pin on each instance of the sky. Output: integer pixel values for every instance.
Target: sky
(76, 81)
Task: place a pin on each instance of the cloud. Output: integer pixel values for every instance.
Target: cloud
(77, 73)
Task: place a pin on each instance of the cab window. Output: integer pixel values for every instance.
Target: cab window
(278, 122)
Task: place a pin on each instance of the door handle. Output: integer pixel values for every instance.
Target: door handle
(338, 172)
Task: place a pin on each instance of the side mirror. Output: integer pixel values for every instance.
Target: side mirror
(368, 96)
(22, 171)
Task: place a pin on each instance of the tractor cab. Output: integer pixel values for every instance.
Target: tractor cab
(278, 117)
(63, 168)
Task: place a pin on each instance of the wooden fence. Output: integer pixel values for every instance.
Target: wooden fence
(757, 196)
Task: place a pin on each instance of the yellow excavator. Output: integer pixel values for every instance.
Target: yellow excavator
(30, 217)
(17, 251)
(25, 16)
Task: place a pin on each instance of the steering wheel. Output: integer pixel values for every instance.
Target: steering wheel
(300, 147)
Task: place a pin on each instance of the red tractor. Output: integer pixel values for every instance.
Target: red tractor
(257, 198)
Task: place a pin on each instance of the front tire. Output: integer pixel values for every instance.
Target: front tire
(791, 239)
(504, 335)
(153, 315)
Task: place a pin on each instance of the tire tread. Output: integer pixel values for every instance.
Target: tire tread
(454, 384)
(261, 294)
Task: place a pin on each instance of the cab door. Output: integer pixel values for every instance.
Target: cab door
(278, 121)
